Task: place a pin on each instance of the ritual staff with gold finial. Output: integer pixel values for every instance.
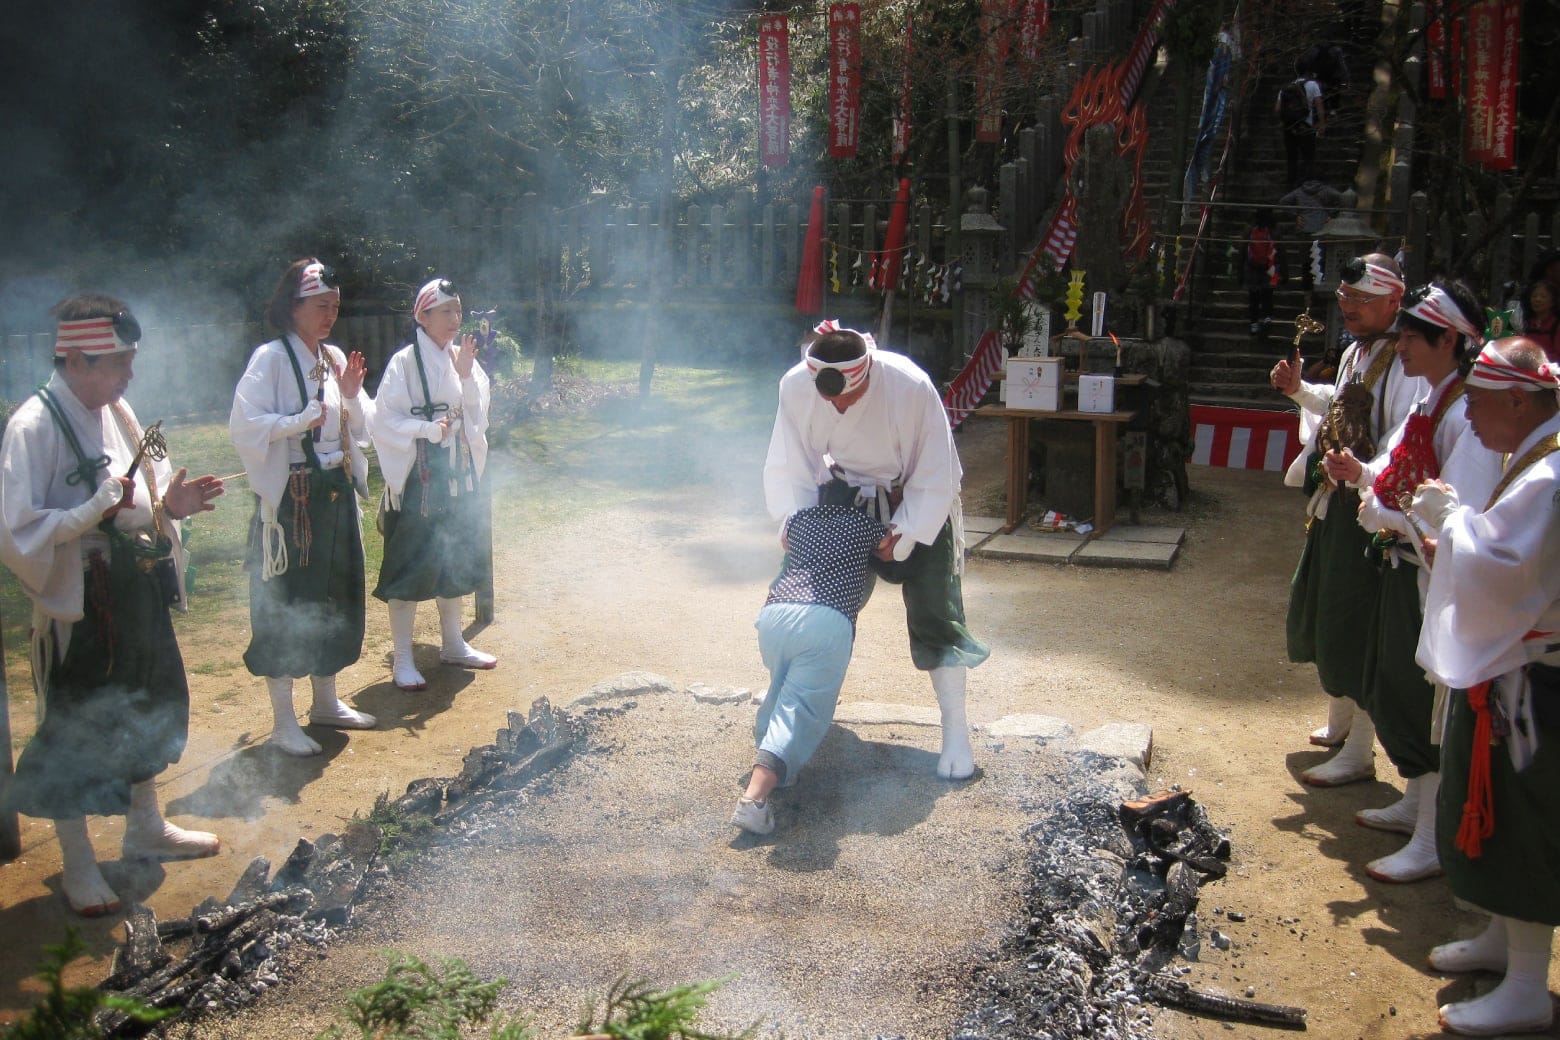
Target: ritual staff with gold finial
(1333, 594)
(91, 509)
(430, 433)
(1438, 325)
(1492, 635)
(299, 421)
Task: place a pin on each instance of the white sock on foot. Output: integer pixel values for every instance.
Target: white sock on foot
(1354, 761)
(454, 649)
(1484, 952)
(1340, 715)
(80, 879)
(1400, 816)
(328, 709)
(1418, 859)
(957, 761)
(403, 612)
(286, 734)
(1521, 1003)
(149, 836)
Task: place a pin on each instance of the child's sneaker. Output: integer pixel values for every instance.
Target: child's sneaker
(755, 817)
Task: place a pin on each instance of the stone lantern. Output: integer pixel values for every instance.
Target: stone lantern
(980, 244)
(1344, 237)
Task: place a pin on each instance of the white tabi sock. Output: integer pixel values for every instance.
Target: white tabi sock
(149, 836)
(957, 761)
(1401, 815)
(1484, 952)
(1354, 761)
(328, 709)
(286, 734)
(1340, 715)
(1418, 859)
(455, 650)
(403, 612)
(1521, 1003)
(80, 879)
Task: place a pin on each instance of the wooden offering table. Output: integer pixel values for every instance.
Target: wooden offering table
(1106, 425)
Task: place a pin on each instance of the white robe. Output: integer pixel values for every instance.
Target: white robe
(50, 525)
(1465, 464)
(396, 430)
(267, 396)
(1494, 598)
(897, 432)
(1395, 395)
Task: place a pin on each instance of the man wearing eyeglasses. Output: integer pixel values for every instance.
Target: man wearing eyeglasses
(1333, 595)
(91, 532)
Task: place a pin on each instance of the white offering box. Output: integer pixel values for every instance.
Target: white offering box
(1096, 393)
(1034, 384)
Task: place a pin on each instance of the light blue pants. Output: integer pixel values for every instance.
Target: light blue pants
(806, 648)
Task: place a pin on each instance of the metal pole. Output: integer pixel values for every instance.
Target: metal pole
(10, 827)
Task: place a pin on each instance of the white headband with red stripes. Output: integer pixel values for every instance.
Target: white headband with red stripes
(1492, 371)
(1376, 280)
(315, 281)
(433, 294)
(94, 336)
(1438, 308)
(854, 370)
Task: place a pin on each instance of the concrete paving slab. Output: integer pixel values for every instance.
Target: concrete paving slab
(707, 693)
(1102, 553)
(1140, 533)
(1048, 548)
(983, 524)
(1133, 741)
(1043, 727)
(627, 686)
(877, 713)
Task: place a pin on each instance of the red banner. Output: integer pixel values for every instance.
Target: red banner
(1482, 65)
(1503, 124)
(1034, 19)
(902, 119)
(1435, 51)
(844, 79)
(995, 35)
(774, 89)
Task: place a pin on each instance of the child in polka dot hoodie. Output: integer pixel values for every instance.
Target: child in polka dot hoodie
(805, 634)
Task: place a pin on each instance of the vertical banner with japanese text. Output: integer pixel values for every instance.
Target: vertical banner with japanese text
(995, 30)
(1435, 51)
(844, 79)
(1503, 123)
(1482, 68)
(1034, 18)
(774, 89)
(902, 115)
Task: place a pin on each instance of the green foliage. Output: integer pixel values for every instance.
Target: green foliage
(1009, 313)
(70, 1013)
(633, 1010)
(400, 834)
(417, 1002)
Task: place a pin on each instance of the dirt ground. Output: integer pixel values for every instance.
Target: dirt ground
(671, 585)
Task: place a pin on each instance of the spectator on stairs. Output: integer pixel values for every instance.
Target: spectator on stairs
(1261, 270)
(1303, 116)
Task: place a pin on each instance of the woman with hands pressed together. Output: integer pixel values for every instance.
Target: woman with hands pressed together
(430, 432)
(299, 420)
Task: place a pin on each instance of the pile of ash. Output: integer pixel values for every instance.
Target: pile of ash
(1111, 906)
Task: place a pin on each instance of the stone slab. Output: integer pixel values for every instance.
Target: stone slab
(1133, 741)
(706, 693)
(1042, 727)
(1102, 553)
(983, 524)
(1049, 548)
(1140, 533)
(624, 687)
(877, 713)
